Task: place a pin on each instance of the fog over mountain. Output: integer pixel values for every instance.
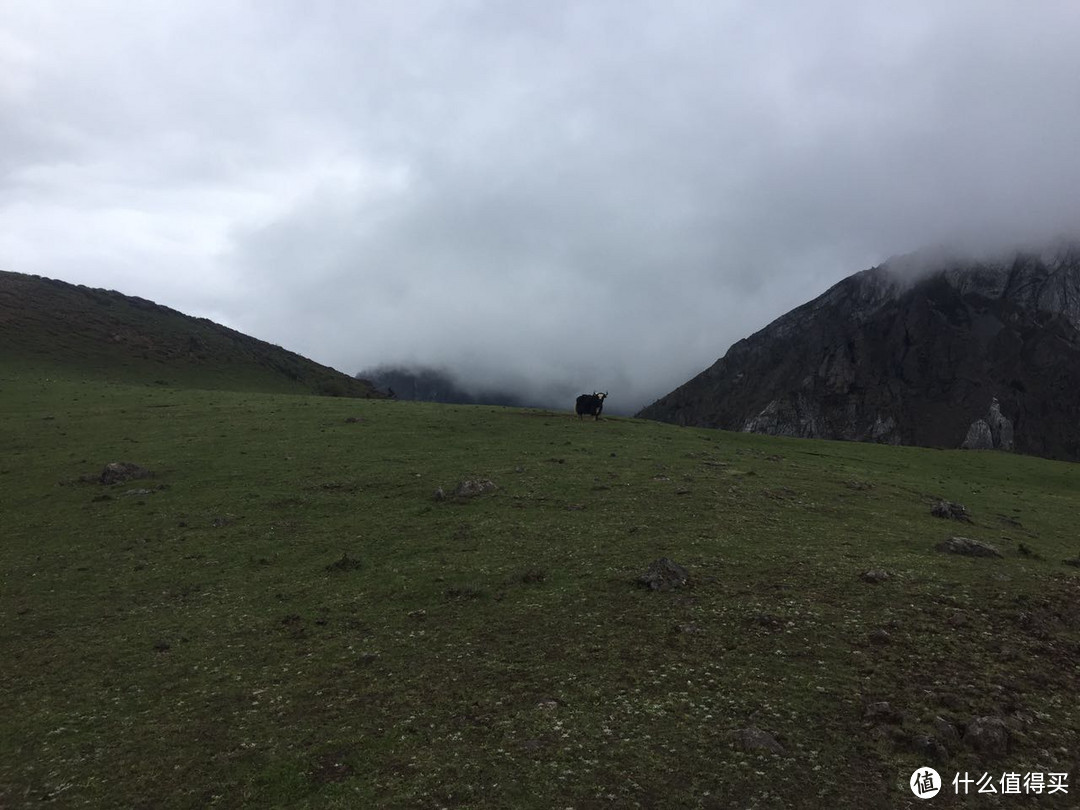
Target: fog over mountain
(547, 198)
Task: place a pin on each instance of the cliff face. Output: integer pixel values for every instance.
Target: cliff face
(911, 352)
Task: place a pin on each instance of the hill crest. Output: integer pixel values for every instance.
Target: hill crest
(106, 334)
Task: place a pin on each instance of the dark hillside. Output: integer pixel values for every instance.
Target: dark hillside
(102, 334)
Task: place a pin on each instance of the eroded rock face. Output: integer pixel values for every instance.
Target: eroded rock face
(1001, 428)
(911, 352)
(995, 432)
(978, 437)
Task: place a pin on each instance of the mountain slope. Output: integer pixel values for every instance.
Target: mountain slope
(46, 323)
(911, 352)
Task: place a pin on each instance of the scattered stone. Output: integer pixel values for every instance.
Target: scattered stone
(664, 575)
(352, 420)
(1075, 561)
(548, 704)
(462, 592)
(118, 471)
(439, 494)
(346, 563)
(368, 658)
(875, 577)
(950, 511)
(858, 486)
(882, 712)
(419, 615)
(754, 739)
(533, 575)
(139, 492)
(686, 629)
(767, 620)
(968, 547)
(946, 732)
(879, 636)
(330, 769)
(987, 735)
(929, 747)
(470, 488)
(161, 646)
(220, 522)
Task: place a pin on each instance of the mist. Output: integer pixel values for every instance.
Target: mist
(551, 200)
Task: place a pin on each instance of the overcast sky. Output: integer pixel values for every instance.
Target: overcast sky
(560, 196)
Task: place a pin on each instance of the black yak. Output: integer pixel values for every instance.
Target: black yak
(590, 404)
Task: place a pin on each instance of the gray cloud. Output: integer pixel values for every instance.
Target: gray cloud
(557, 197)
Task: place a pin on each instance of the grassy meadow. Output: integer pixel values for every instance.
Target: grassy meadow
(285, 615)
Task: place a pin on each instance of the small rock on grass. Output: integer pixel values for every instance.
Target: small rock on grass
(950, 511)
(664, 575)
(346, 563)
(968, 547)
(879, 636)
(987, 735)
(946, 732)
(882, 712)
(470, 488)
(117, 471)
(754, 739)
(874, 576)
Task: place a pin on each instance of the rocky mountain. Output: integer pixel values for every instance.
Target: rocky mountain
(48, 324)
(926, 349)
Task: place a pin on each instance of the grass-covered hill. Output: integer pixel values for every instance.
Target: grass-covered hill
(283, 614)
(101, 334)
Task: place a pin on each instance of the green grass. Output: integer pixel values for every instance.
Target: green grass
(197, 645)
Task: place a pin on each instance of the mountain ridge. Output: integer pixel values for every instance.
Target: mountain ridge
(909, 352)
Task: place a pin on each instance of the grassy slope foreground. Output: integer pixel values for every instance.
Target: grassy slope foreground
(285, 616)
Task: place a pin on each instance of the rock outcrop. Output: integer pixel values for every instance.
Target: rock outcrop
(995, 432)
(922, 350)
